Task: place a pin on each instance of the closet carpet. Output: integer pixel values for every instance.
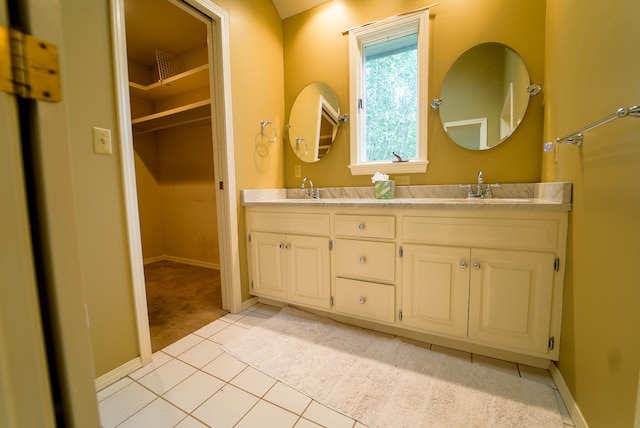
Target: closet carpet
(180, 300)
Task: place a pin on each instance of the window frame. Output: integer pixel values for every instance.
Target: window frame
(358, 39)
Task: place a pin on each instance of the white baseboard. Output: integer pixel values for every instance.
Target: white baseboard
(191, 262)
(569, 402)
(118, 373)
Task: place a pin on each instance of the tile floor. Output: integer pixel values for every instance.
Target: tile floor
(192, 383)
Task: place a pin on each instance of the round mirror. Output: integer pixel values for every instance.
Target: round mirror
(313, 122)
(484, 96)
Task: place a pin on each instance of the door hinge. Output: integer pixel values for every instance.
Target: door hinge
(331, 301)
(360, 103)
(28, 66)
(400, 315)
(251, 284)
(400, 251)
(556, 264)
(552, 342)
(249, 237)
(222, 185)
(330, 244)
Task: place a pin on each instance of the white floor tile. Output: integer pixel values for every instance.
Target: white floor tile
(253, 381)
(251, 320)
(211, 328)
(359, 425)
(124, 403)
(158, 414)
(226, 407)
(266, 415)
(201, 354)
(501, 365)
(465, 356)
(231, 318)
(327, 417)
(180, 346)
(228, 334)
(193, 391)
(287, 397)
(113, 388)
(306, 423)
(167, 376)
(536, 374)
(158, 359)
(191, 422)
(224, 367)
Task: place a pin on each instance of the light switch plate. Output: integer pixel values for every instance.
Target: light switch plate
(102, 141)
(297, 171)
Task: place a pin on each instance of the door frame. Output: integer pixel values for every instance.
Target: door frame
(224, 163)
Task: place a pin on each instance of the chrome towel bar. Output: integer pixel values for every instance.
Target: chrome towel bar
(576, 137)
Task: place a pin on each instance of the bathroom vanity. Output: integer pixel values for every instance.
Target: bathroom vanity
(483, 275)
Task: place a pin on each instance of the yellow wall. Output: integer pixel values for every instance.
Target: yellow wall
(592, 69)
(316, 50)
(257, 94)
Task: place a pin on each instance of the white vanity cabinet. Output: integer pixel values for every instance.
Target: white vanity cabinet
(365, 266)
(491, 282)
(288, 262)
(480, 276)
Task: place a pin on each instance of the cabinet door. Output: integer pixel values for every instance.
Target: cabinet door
(267, 251)
(308, 271)
(435, 288)
(510, 298)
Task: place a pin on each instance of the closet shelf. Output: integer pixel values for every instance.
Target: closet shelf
(183, 114)
(179, 84)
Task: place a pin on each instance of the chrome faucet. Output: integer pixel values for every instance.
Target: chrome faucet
(311, 192)
(481, 191)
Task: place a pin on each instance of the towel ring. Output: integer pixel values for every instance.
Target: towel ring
(263, 124)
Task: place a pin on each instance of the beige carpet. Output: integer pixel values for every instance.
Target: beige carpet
(382, 381)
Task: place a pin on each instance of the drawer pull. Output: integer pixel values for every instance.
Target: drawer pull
(361, 226)
(363, 259)
(362, 300)
(463, 264)
(476, 265)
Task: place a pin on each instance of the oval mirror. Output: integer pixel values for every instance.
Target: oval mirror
(484, 96)
(314, 121)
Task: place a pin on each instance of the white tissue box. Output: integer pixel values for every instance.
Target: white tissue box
(385, 189)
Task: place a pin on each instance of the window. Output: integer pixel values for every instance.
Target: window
(388, 90)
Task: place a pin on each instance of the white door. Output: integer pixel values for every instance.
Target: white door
(26, 393)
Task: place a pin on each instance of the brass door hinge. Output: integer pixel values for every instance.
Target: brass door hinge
(28, 66)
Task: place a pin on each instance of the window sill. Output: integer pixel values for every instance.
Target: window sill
(412, 166)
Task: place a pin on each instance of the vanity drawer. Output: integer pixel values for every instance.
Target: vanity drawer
(365, 299)
(301, 223)
(365, 259)
(365, 226)
(533, 234)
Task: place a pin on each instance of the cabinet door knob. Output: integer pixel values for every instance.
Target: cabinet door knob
(361, 226)
(362, 300)
(476, 265)
(463, 264)
(363, 259)
(288, 246)
(281, 245)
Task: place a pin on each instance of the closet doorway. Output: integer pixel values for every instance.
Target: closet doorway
(178, 162)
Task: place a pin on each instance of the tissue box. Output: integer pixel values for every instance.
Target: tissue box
(385, 189)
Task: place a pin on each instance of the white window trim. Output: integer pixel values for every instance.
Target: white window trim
(357, 39)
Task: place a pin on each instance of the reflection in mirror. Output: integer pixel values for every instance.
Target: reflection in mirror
(484, 96)
(314, 121)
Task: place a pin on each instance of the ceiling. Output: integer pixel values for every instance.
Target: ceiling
(162, 25)
(287, 8)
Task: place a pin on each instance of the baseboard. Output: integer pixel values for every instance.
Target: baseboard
(118, 373)
(563, 389)
(191, 262)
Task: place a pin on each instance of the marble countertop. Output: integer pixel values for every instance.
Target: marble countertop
(521, 196)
